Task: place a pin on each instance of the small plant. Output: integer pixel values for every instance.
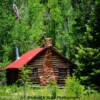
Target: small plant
(73, 88)
(24, 79)
(52, 87)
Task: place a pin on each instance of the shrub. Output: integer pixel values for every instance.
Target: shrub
(73, 88)
(52, 87)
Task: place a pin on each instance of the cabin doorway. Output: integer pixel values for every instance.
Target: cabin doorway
(12, 76)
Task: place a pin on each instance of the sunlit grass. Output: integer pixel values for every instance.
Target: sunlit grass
(72, 89)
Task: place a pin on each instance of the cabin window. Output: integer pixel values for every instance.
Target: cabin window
(35, 79)
(35, 72)
(62, 72)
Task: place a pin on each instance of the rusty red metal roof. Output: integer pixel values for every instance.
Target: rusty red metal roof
(24, 59)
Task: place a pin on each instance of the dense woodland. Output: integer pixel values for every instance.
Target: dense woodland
(73, 25)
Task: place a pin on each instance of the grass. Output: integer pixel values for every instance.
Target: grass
(19, 93)
(72, 91)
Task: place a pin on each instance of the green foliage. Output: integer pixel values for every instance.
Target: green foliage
(73, 88)
(87, 60)
(87, 48)
(52, 87)
(24, 76)
(17, 93)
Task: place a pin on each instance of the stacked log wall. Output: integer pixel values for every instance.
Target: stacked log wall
(57, 63)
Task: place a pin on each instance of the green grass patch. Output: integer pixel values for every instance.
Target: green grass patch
(73, 90)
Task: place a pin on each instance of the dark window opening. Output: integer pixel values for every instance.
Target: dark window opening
(34, 76)
(12, 76)
(62, 72)
(35, 72)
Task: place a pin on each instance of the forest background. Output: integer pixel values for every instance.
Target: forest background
(73, 25)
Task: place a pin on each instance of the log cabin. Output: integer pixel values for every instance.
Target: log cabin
(46, 64)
